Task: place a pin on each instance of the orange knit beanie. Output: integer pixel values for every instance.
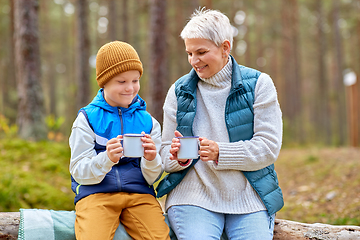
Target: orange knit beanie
(114, 58)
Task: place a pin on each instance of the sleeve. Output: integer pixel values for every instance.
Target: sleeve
(169, 127)
(86, 167)
(264, 147)
(152, 170)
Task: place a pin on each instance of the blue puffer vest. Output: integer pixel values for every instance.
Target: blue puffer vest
(239, 118)
(108, 122)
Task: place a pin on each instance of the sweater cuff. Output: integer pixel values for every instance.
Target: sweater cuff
(184, 164)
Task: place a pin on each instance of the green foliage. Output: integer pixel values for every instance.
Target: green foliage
(53, 123)
(34, 175)
(6, 129)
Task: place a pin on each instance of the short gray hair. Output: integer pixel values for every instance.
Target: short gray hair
(209, 24)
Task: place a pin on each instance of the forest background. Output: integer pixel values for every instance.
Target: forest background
(311, 49)
(306, 46)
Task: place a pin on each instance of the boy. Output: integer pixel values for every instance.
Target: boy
(109, 187)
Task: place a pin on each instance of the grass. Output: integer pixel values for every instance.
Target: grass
(319, 184)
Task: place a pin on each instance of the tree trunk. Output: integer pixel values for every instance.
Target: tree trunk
(322, 107)
(180, 64)
(158, 58)
(135, 24)
(125, 21)
(259, 13)
(248, 56)
(358, 65)
(207, 4)
(30, 117)
(338, 81)
(83, 54)
(297, 88)
(7, 65)
(291, 68)
(112, 20)
(49, 81)
(194, 4)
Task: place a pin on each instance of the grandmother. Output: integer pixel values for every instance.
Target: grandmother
(232, 187)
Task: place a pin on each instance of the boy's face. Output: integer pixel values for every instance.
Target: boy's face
(121, 89)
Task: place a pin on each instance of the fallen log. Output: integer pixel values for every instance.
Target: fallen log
(9, 225)
(283, 230)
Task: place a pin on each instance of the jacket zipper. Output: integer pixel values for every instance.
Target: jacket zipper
(121, 121)
(121, 133)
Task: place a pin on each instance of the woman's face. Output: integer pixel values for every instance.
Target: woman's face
(205, 57)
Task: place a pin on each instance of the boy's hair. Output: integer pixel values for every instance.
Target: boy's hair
(114, 58)
(209, 24)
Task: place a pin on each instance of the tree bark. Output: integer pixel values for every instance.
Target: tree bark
(291, 68)
(112, 20)
(49, 81)
(8, 82)
(259, 31)
(286, 230)
(31, 112)
(338, 81)
(9, 225)
(207, 4)
(158, 58)
(248, 53)
(125, 21)
(83, 54)
(322, 107)
(358, 65)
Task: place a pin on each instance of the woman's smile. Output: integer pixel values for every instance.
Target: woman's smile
(200, 68)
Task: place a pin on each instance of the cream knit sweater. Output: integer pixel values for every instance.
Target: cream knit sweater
(222, 187)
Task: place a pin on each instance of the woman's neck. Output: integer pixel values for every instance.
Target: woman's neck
(221, 78)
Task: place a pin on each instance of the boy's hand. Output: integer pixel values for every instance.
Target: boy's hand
(149, 147)
(114, 149)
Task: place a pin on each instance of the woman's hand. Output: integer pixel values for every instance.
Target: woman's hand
(114, 149)
(149, 147)
(175, 146)
(209, 150)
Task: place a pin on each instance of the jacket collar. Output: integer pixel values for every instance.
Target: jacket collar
(137, 104)
(236, 78)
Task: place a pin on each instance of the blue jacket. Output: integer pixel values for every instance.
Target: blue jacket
(239, 118)
(108, 122)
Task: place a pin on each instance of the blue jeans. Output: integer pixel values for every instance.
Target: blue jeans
(191, 222)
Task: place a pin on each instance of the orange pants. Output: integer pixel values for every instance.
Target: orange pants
(99, 215)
